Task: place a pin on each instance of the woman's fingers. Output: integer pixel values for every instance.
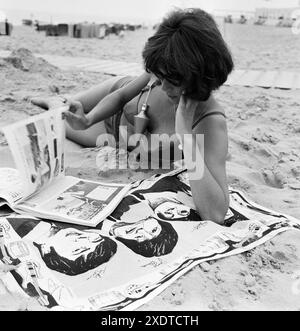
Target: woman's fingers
(77, 122)
(75, 106)
(187, 104)
(56, 102)
(74, 113)
(70, 116)
(182, 101)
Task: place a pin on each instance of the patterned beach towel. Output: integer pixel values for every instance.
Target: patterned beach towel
(154, 237)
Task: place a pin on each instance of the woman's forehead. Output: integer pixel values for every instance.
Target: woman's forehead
(168, 73)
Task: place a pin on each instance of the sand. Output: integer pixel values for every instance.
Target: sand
(264, 133)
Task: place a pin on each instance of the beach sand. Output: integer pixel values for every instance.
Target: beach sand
(264, 133)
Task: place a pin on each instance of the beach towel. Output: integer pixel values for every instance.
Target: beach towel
(152, 238)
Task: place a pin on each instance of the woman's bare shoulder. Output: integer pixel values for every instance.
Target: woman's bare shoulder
(209, 113)
(133, 88)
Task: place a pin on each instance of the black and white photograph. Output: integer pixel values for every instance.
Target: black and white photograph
(149, 156)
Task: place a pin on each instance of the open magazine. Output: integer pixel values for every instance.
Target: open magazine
(39, 186)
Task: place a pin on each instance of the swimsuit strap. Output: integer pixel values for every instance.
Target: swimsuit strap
(148, 89)
(210, 114)
(150, 86)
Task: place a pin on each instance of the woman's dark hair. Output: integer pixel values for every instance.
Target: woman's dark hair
(162, 245)
(189, 50)
(102, 254)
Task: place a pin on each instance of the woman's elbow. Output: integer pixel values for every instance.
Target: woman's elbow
(215, 218)
(219, 218)
(216, 215)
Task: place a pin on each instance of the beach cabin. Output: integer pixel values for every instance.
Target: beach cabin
(5, 28)
(63, 29)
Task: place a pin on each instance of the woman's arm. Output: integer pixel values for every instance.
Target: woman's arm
(111, 104)
(116, 100)
(85, 109)
(205, 156)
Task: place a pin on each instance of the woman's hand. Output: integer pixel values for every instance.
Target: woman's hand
(75, 115)
(185, 115)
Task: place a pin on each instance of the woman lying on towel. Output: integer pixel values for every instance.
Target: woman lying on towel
(185, 61)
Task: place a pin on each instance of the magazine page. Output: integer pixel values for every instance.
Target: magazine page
(73, 200)
(37, 146)
(11, 187)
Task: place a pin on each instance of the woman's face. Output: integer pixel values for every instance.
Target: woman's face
(173, 211)
(173, 92)
(141, 231)
(172, 88)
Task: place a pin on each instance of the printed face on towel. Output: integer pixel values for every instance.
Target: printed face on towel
(173, 207)
(130, 210)
(73, 252)
(72, 243)
(141, 231)
(172, 210)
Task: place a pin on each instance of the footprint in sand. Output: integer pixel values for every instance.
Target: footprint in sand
(274, 179)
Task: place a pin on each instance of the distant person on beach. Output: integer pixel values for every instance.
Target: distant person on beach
(228, 19)
(185, 61)
(242, 20)
(7, 30)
